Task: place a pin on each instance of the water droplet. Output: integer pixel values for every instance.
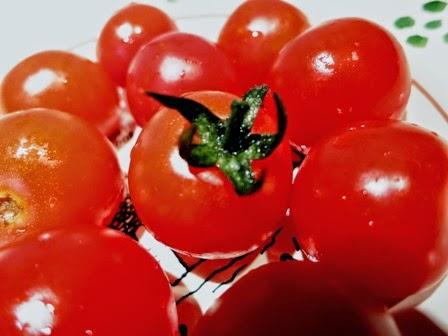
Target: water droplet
(371, 222)
(52, 201)
(89, 332)
(344, 197)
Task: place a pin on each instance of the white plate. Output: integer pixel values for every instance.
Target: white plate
(30, 26)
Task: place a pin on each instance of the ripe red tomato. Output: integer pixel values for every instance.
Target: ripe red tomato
(173, 64)
(370, 203)
(289, 299)
(254, 34)
(188, 310)
(197, 210)
(55, 169)
(63, 81)
(125, 33)
(342, 71)
(83, 281)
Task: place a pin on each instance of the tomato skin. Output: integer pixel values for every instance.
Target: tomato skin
(55, 169)
(173, 64)
(125, 33)
(369, 218)
(179, 204)
(343, 71)
(289, 299)
(78, 280)
(254, 34)
(188, 310)
(63, 81)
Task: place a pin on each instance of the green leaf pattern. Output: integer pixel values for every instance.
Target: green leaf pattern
(421, 39)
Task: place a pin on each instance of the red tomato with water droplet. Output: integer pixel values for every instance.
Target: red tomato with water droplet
(83, 281)
(370, 203)
(125, 33)
(254, 34)
(340, 72)
(55, 170)
(63, 81)
(174, 64)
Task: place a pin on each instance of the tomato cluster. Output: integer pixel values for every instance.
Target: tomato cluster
(211, 177)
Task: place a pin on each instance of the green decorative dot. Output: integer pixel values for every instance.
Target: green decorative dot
(433, 24)
(417, 41)
(404, 22)
(434, 6)
(445, 37)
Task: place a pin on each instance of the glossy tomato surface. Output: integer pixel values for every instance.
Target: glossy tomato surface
(254, 34)
(292, 299)
(197, 210)
(343, 71)
(55, 170)
(188, 310)
(83, 281)
(173, 64)
(371, 204)
(125, 33)
(66, 82)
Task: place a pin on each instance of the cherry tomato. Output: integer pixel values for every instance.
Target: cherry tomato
(188, 310)
(342, 71)
(415, 323)
(125, 33)
(198, 210)
(63, 81)
(55, 169)
(175, 63)
(289, 299)
(254, 34)
(83, 281)
(220, 270)
(370, 203)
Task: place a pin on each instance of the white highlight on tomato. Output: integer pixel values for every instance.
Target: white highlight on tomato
(210, 177)
(262, 26)
(126, 30)
(35, 316)
(173, 68)
(381, 186)
(324, 63)
(41, 81)
(180, 166)
(29, 149)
